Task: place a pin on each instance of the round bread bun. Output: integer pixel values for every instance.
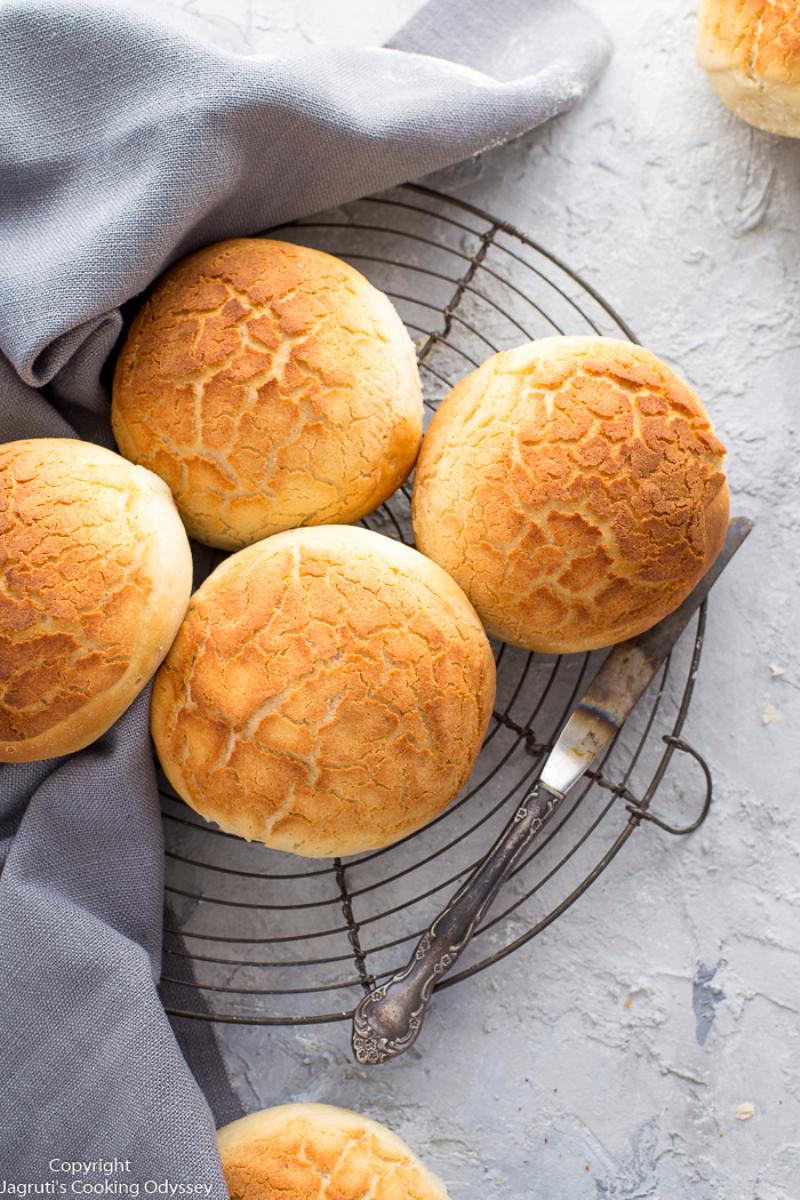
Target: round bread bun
(95, 577)
(271, 386)
(751, 52)
(574, 488)
(327, 693)
(318, 1151)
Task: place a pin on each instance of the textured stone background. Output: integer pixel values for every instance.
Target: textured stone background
(610, 1057)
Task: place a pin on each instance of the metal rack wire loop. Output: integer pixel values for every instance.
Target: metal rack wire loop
(253, 936)
(642, 813)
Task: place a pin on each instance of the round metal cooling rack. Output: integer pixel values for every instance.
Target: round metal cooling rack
(259, 937)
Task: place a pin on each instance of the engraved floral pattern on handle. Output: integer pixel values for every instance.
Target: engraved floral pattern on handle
(388, 1020)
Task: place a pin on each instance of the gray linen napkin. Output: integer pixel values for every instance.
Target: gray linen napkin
(126, 142)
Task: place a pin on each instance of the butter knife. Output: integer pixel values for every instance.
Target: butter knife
(388, 1019)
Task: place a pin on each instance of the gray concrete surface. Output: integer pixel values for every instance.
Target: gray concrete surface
(612, 1057)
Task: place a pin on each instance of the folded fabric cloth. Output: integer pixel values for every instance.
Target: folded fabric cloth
(127, 142)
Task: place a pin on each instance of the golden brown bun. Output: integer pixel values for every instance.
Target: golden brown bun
(95, 576)
(327, 693)
(271, 386)
(751, 51)
(575, 489)
(319, 1152)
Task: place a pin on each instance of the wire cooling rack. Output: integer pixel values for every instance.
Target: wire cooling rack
(258, 937)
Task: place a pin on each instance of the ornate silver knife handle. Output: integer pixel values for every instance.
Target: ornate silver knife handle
(389, 1018)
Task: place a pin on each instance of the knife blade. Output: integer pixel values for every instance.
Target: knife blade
(388, 1019)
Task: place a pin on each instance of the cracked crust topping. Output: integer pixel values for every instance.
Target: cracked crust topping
(313, 1151)
(751, 51)
(95, 576)
(271, 386)
(575, 489)
(328, 693)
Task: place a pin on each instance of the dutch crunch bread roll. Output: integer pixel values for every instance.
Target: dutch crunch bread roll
(95, 576)
(318, 1151)
(750, 50)
(575, 489)
(271, 386)
(327, 693)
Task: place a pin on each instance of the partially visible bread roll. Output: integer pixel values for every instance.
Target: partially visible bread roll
(271, 386)
(317, 1151)
(95, 577)
(751, 52)
(327, 693)
(575, 489)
